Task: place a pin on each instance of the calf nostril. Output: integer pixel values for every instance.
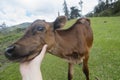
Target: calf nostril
(10, 49)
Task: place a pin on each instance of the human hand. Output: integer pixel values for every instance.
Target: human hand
(30, 70)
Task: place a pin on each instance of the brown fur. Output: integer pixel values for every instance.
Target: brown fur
(72, 44)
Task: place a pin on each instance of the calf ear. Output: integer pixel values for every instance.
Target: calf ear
(88, 21)
(59, 22)
(84, 21)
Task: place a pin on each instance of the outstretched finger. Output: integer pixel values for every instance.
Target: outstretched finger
(41, 54)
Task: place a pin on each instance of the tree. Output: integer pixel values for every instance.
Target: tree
(80, 3)
(74, 12)
(116, 8)
(66, 11)
(111, 1)
(107, 3)
(107, 8)
(3, 26)
(100, 7)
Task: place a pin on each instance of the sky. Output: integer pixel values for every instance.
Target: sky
(14, 12)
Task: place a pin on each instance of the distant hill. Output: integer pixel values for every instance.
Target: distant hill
(12, 28)
(22, 25)
(106, 8)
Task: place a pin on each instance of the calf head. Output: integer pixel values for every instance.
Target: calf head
(30, 44)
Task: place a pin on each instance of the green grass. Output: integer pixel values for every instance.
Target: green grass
(105, 58)
(7, 39)
(104, 62)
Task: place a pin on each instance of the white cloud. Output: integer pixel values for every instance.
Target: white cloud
(89, 5)
(17, 11)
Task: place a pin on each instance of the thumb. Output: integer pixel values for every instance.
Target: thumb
(42, 53)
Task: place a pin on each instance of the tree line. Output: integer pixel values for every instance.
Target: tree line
(74, 11)
(106, 8)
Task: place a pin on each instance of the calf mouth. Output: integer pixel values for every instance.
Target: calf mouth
(31, 55)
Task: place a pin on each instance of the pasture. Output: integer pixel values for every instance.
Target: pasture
(104, 62)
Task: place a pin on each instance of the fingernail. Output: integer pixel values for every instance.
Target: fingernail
(46, 45)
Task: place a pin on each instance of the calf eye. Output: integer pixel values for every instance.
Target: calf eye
(40, 28)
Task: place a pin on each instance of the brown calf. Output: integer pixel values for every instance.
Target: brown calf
(72, 44)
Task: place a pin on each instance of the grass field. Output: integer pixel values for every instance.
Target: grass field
(104, 62)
